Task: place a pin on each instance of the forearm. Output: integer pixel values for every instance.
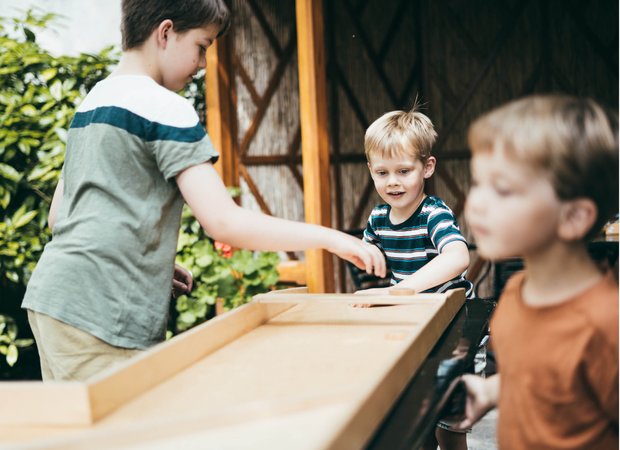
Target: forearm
(442, 268)
(227, 222)
(492, 389)
(256, 231)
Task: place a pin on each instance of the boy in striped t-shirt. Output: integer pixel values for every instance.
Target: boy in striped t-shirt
(419, 234)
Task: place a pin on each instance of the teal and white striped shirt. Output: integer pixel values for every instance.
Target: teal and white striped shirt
(409, 245)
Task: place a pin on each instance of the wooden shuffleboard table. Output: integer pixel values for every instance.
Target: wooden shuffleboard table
(289, 370)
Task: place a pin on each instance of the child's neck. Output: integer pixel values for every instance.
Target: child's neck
(136, 62)
(398, 216)
(558, 274)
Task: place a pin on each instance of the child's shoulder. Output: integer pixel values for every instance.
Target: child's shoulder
(600, 302)
(432, 201)
(141, 96)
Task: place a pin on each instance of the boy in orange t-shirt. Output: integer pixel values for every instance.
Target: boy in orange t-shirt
(544, 181)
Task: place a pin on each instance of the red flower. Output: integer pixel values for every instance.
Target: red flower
(223, 249)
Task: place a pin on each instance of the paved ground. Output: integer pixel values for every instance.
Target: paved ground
(482, 436)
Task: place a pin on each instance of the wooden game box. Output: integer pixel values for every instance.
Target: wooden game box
(289, 370)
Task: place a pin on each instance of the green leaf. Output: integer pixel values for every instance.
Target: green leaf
(23, 343)
(62, 134)
(9, 172)
(30, 36)
(5, 199)
(28, 110)
(56, 90)
(25, 219)
(11, 356)
(48, 74)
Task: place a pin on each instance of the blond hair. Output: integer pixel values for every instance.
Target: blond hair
(573, 140)
(396, 132)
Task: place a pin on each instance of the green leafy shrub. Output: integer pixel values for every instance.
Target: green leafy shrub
(9, 343)
(220, 273)
(38, 97)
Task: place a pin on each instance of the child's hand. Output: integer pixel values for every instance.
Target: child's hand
(182, 281)
(365, 256)
(482, 396)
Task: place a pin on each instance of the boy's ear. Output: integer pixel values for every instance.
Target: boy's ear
(429, 166)
(162, 32)
(577, 218)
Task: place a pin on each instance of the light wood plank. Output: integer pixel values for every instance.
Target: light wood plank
(351, 299)
(114, 388)
(36, 403)
(220, 110)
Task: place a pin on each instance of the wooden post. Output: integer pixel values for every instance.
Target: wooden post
(221, 121)
(314, 136)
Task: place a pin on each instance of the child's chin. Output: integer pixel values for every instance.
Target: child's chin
(488, 252)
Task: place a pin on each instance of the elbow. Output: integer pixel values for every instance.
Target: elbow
(463, 262)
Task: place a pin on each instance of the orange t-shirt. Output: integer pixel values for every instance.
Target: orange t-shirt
(559, 370)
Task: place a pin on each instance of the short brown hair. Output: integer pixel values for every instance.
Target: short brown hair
(573, 140)
(395, 132)
(141, 17)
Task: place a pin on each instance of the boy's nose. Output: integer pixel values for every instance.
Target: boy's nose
(392, 180)
(474, 201)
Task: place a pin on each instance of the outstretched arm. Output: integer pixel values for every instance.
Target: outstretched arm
(452, 261)
(227, 222)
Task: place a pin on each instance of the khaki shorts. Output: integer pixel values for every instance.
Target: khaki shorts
(70, 354)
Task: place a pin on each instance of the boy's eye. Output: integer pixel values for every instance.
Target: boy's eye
(503, 191)
(380, 172)
(404, 171)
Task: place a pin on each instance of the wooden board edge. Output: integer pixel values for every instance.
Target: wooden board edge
(33, 403)
(296, 297)
(120, 385)
(384, 394)
(279, 292)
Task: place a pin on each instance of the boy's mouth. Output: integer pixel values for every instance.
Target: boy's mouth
(396, 194)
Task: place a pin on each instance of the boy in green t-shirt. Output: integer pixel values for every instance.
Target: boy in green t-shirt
(135, 152)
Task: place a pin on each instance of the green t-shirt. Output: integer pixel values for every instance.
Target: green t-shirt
(108, 268)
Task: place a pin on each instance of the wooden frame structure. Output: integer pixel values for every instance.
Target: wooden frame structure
(318, 268)
(256, 374)
(373, 56)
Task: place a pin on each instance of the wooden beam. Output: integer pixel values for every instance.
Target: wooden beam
(292, 272)
(221, 121)
(314, 136)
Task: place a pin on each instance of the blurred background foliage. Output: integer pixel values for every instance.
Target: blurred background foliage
(39, 93)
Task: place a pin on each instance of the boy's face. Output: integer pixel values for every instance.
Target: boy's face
(400, 181)
(184, 55)
(512, 210)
